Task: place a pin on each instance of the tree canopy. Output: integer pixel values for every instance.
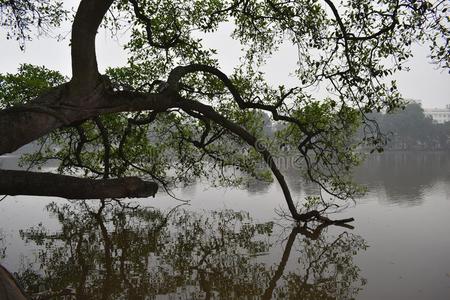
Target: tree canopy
(171, 115)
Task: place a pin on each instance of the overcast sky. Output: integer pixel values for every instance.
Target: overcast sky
(423, 82)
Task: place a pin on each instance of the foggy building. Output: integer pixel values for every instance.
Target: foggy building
(439, 115)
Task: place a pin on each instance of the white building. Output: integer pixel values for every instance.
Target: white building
(439, 115)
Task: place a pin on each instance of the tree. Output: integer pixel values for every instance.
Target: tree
(172, 115)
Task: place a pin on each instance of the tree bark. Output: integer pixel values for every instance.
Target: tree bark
(48, 184)
(85, 75)
(23, 124)
(9, 289)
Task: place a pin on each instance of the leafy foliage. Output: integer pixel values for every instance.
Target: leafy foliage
(28, 83)
(22, 17)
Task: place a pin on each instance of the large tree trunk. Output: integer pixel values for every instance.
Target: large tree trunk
(9, 289)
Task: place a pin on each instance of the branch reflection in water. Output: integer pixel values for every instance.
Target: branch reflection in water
(112, 252)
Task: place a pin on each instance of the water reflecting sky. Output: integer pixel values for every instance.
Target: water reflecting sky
(229, 242)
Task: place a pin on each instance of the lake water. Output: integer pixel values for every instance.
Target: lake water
(231, 243)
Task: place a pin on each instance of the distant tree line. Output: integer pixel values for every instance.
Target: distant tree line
(405, 129)
(410, 129)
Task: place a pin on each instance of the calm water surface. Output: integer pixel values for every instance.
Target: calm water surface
(230, 243)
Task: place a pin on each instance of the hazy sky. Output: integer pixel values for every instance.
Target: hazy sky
(423, 82)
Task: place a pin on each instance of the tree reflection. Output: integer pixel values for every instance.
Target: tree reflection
(112, 252)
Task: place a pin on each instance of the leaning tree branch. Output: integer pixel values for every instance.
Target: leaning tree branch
(49, 184)
(23, 124)
(179, 72)
(210, 113)
(103, 100)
